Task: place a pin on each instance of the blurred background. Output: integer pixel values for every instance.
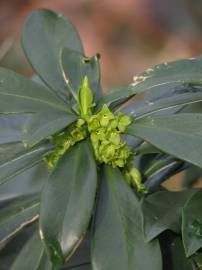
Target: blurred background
(130, 35)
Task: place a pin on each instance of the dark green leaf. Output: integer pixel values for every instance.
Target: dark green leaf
(26, 183)
(38, 80)
(8, 135)
(32, 256)
(147, 149)
(21, 95)
(162, 211)
(118, 241)
(41, 125)
(153, 183)
(168, 74)
(173, 253)
(10, 251)
(157, 79)
(167, 103)
(114, 98)
(81, 258)
(67, 202)
(166, 99)
(171, 134)
(192, 224)
(76, 66)
(158, 164)
(20, 159)
(44, 36)
(166, 91)
(85, 266)
(193, 108)
(11, 126)
(9, 150)
(16, 213)
(133, 142)
(197, 260)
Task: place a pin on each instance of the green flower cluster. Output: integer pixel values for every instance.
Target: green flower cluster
(105, 130)
(105, 133)
(76, 132)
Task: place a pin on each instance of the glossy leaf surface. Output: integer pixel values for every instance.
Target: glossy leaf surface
(21, 95)
(167, 103)
(114, 97)
(75, 66)
(16, 213)
(118, 241)
(44, 36)
(26, 183)
(163, 78)
(158, 164)
(67, 202)
(162, 211)
(171, 134)
(169, 74)
(32, 256)
(81, 258)
(192, 224)
(11, 126)
(12, 248)
(40, 126)
(147, 149)
(17, 159)
(153, 182)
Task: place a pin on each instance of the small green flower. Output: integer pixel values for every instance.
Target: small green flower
(113, 124)
(104, 116)
(67, 138)
(80, 122)
(115, 138)
(123, 122)
(105, 137)
(118, 163)
(104, 130)
(93, 123)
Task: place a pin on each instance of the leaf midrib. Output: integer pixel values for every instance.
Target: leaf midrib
(47, 124)
(164, 108)
(10, 217)
(163, 148)
(58, 107)
(116, 200)
(20, 156)
(165, 129)
(142, 84)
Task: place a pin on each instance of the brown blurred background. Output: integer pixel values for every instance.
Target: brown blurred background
(131, 35)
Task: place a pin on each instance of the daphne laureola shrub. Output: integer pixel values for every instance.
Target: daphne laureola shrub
(81, 170)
